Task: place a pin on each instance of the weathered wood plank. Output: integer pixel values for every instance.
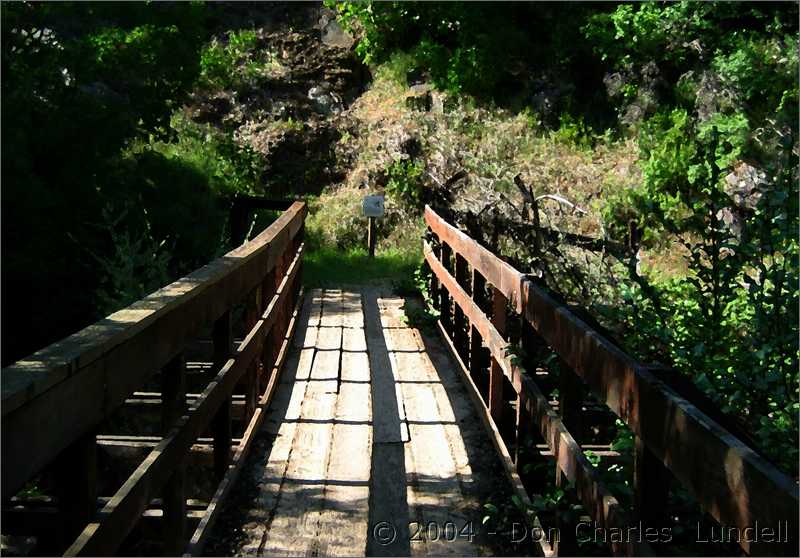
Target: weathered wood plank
(389, 425)
(295, 528)
(434, 491)
(343, 524)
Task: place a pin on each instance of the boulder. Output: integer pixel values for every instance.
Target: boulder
(745, 185)
(420, 98)
(324, 100)
(335, 36)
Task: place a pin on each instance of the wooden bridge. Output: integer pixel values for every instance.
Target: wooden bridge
(330, 426)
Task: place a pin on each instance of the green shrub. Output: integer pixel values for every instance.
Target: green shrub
(218, 62)
(405, 182)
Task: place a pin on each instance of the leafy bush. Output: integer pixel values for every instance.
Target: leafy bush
(405, 182)
(230, 65)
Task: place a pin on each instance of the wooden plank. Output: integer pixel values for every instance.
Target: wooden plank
(445, 305)
(434, 491)
(221, 423)
(389, 425)
(343, 524)
(173, 388)
(71, 386)
(295, 527)
(460, 324)
(495, 400)
(174, 526)
(132, 499)
(388, 500)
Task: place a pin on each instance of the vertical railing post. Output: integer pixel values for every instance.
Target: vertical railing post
(173, 406)
(238, 222)
(445, 311)
(279, 328)
(461, 328)
(76, 476)
(477, 362)
(252, 313)
(499, 307)
(651, 485)
(570, 401)
(570, 404)
(435, 286)
(269, 352)
(221, 424)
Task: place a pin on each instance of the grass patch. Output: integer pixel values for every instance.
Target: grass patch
(330, 267)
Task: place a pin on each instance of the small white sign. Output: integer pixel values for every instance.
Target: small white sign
(373, 206)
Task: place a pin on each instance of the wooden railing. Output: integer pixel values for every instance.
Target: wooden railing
(55, 401)
(728, 480)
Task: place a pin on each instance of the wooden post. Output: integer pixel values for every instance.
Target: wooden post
(238, 222)
(173, 392)
(221, 424)
(435, 286)
(250, 378)
(371, 237)
(269, 352)
(76, 477)
(476, 351)
(445, 312)
(461, 328)
(499, 304)
(173, 396)
(570, 403)
(651, 484)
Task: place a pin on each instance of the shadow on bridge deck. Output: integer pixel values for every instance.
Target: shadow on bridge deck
(371, 445)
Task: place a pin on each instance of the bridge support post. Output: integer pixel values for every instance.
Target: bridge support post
(445, 310)
(270, 352)
(460, 326)
(499, 308)
(478, 362)
(173, 396)
(250, 380)
(76, 477)
(221, 423)
(570, 402)
(651, 484)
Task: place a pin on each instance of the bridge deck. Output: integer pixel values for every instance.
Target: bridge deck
(370, 437)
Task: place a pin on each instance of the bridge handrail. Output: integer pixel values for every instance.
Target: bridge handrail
(729, 480)
(58, 396)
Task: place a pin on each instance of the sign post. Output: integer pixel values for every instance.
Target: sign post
(372, 208)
